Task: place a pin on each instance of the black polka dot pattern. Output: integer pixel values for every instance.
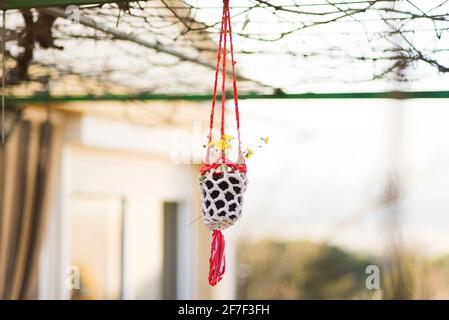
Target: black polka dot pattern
(222, 198)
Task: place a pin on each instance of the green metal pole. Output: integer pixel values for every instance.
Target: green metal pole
(245, 96)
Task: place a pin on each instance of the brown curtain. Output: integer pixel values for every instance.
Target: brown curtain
(24, 188)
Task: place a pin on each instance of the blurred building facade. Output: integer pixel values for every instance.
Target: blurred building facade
(123, 213)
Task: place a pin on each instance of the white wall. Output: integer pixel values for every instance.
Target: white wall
(144, 182)
(119, 159)
(95, 160)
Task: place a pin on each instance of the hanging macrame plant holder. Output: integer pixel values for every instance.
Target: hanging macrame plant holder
(222, 181)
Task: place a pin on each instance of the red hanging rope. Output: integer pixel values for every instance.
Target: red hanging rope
(223, 84)
(217, 260)
(222, 46)
(234, 85)
(214, 98)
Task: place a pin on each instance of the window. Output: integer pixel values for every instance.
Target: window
(96, 242)
(170, 262)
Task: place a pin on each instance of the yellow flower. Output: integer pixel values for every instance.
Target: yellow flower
(228, 137)
(249, 153)
(221, 144)
(265, 140)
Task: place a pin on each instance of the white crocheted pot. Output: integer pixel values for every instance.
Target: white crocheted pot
(222, 198)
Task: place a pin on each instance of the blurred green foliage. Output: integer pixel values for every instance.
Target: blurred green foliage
(300, 270)
(306, 270)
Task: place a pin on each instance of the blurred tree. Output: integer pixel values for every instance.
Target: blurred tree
(335, 274)
(306, 270)
(300, 270)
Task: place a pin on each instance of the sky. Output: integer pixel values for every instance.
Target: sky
(323, 173)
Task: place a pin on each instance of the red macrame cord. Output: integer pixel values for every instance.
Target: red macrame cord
(214, 97)
(234, 86)
(240, 164)
(223, 84)
(217, 260)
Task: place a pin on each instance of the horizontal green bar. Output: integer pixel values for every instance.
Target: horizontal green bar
(23, 4)
(205, 97)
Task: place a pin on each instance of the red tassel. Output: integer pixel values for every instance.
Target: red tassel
(217, 260)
